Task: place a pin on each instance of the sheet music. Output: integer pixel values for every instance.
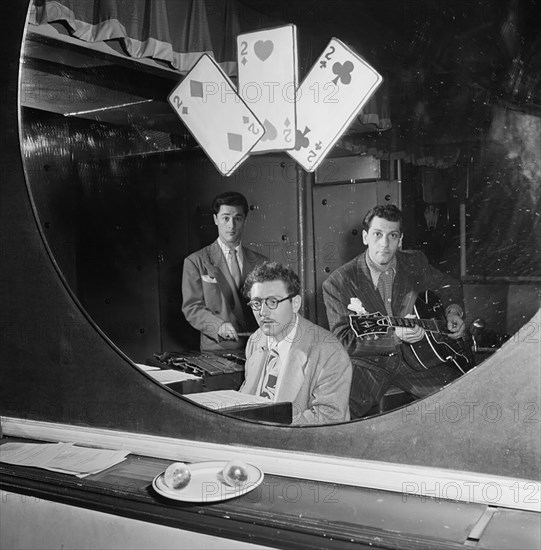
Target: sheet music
(61, 457)
(169, 376)
(224, 399)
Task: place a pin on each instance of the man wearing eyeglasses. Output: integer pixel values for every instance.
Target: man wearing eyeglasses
(289, 358)
(213, 276)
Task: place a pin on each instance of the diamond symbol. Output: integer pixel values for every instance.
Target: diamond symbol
(234, 141)
(196, 88)
(287, 122)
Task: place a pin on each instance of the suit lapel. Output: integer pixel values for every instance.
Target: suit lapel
(253, 375)
(403, 295)
(292, 378)
(293, 373)
(225, 280)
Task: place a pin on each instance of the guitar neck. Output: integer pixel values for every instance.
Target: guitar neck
(430, 325)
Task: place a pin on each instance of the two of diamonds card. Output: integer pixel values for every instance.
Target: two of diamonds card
(268, 81)
(334, 91)
(207, 103)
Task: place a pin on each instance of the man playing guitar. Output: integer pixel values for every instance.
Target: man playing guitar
(387, 280)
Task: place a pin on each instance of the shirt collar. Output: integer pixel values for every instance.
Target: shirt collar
(374, 268)
(376, 271)
(283, 346)
(225, 248)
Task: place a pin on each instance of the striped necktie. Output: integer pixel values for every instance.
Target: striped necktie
(270, 376)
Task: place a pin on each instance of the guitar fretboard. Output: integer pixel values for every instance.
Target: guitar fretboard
(431, 325)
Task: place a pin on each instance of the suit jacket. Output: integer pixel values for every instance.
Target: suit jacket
(352, 280)
(210, 297)
(316, 377)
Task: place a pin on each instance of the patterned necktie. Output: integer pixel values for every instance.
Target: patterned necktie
(235, 268)
(385, 288)
(272, 368)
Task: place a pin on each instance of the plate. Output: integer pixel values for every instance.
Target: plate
(207, 484)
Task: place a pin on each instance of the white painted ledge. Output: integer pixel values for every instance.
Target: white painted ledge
(424, 481)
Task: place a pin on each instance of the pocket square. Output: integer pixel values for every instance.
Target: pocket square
(208, 279)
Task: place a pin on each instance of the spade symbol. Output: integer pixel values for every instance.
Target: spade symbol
(270, 131)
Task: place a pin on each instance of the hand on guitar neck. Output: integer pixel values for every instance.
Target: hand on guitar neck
(410, 335)
(455, 326)
(446, 338)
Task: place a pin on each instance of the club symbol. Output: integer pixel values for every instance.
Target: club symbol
(301, 141)
(322, 64)
(342, 72)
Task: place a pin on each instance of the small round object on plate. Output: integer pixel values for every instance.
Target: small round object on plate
(177, 475)
(235, 473)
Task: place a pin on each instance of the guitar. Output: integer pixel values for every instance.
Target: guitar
(436, 348)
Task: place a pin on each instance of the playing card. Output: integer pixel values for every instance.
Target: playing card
(334, 91)
(207, 103)
(268, 80)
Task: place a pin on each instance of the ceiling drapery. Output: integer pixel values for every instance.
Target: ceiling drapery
(170, 31)
(178, 32)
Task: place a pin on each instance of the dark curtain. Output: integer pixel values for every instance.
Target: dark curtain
(172, 31)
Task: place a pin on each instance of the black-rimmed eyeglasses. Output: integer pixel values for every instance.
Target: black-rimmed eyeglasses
(271, 303)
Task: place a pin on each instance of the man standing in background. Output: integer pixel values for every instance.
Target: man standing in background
(213, 276)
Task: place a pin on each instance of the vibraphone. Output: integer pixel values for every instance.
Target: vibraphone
(218, 372)
(213, 372)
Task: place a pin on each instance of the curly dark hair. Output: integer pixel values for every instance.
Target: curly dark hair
(388, 212)
(230, 198)
(272, 271)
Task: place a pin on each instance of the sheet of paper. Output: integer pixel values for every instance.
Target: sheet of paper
(61, 457)
(169, 376)
(223, 399)
(332, 94)
(147, 368)
(208, 104)
(268, 80)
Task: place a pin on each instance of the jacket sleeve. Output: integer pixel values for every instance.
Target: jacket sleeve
(338, 289)
(195, 309)
(329, 396)
(446, 287)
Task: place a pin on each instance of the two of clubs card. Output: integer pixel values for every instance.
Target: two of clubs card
(337, 87)
(268, 111)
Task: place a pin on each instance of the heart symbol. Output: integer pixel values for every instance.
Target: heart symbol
(263, 49)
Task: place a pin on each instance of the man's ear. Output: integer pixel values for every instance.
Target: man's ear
(365, 237)
(215, 219)
(400, 241)
(296, 302)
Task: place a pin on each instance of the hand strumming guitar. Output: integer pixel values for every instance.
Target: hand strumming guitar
(455, 325)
